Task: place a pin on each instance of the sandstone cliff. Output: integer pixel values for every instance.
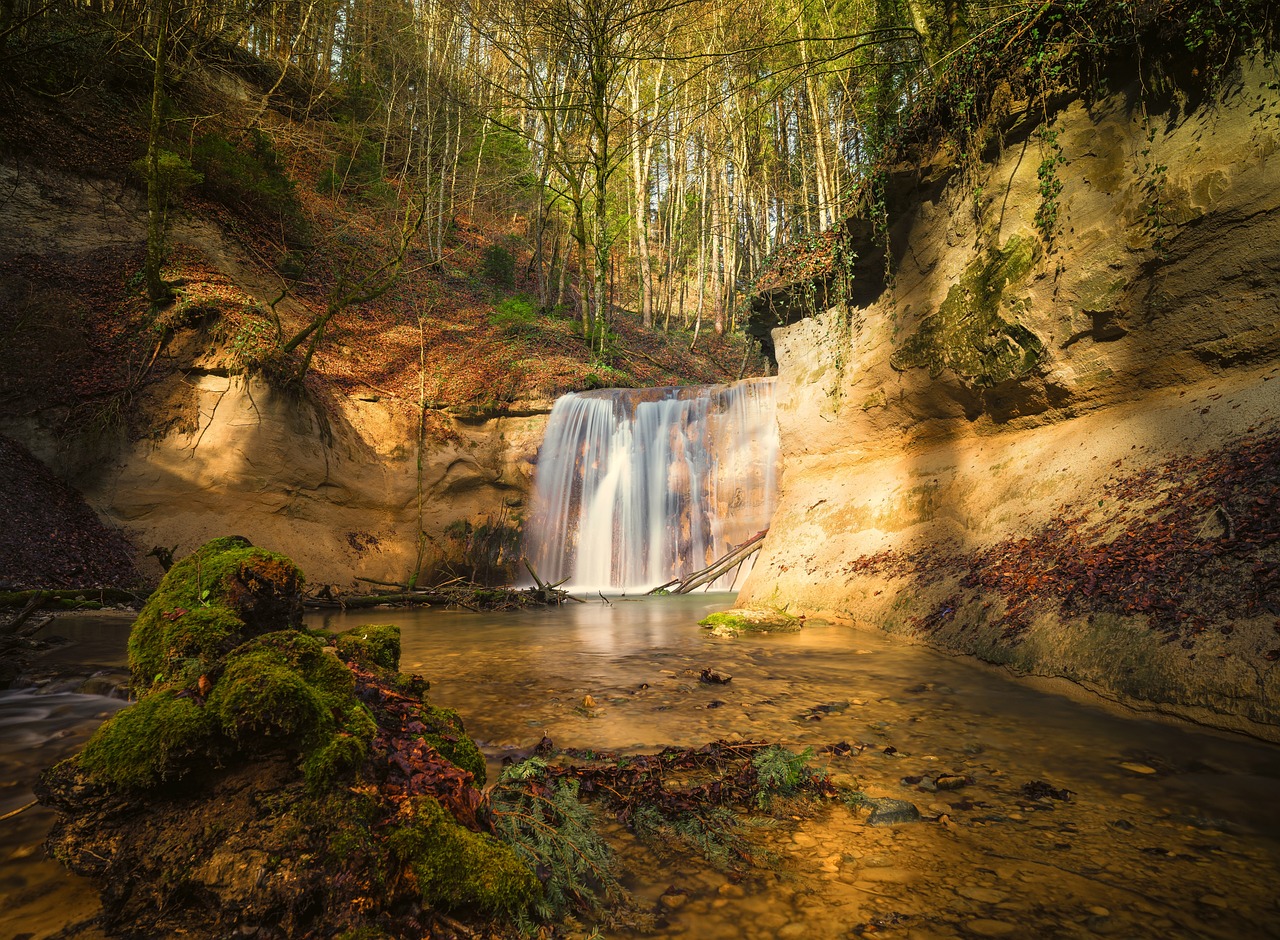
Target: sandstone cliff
(195, 450)
(1052, 438)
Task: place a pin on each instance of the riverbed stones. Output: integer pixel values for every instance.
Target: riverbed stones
(1135, 768)
(887, 811)
(986, 927)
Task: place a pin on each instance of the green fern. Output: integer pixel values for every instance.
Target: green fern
(781, 773)
(554, 832)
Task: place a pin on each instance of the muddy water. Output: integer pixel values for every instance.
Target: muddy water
(1166, 833)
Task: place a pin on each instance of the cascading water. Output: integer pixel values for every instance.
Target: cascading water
(636, 487)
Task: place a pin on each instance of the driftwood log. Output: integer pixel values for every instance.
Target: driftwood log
(721, 566)
(456, 593)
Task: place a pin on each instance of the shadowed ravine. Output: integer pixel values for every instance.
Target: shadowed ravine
(1167, 832)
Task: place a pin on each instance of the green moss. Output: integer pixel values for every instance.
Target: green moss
(444, 732)
(161, 738)
(415, 686)
(261, 700)
(729, 623)
(968, 334)
(372, 645)
(341, 755)
(288, 688)
(180, 646)
(222, 594)
(460, 869)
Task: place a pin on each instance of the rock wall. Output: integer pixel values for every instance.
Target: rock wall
(338, 483)
(336, 486)
(1053, 444)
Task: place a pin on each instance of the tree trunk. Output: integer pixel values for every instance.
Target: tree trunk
(157, 290)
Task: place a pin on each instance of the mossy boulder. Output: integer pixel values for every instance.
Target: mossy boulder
(372, 645)
(731, 623)
(210, 602)
(157, 740)
(456, 868)
(444, 732)
(284, 691)
(269, 775)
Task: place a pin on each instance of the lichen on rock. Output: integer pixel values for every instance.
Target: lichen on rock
(731, 623)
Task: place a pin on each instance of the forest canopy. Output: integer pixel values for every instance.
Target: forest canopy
(660, 152)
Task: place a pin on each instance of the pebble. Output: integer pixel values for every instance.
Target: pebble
(889, 875)
(985, 895)
(673, 901)
(984, 927)
(588, 702)
(1098, 911)
(803, 839)
(888, 811)
(1214, 900)
(1137, 768)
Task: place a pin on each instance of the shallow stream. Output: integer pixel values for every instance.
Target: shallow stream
(1167, 832)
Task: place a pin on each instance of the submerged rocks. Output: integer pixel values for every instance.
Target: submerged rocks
(887, 812)
(275, 780)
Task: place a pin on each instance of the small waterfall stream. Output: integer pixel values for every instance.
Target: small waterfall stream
(636, 487)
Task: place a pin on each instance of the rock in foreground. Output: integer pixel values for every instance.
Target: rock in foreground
(276, 782)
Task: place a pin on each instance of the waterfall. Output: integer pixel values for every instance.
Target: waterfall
(636, 487)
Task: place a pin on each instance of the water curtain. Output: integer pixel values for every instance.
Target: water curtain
(636, 487)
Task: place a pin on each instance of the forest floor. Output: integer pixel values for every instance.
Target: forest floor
(455, 331)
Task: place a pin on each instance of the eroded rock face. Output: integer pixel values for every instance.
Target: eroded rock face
(337, 484)
(1063, 457)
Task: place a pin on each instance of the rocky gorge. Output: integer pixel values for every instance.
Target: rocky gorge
(1049, 436)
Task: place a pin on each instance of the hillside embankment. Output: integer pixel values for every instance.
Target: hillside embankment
(401, 451)
(1052, 438)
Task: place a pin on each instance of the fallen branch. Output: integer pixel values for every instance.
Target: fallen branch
(719, 567)
(455, 593)
(37, 600)
(549, 593)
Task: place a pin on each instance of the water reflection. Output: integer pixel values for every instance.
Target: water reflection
(1169, 832)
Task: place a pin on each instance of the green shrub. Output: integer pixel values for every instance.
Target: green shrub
(357, 169)
(174, 174)
(514, 316)
(251, 179)
(499, 266)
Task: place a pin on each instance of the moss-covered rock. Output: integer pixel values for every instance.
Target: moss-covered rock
(210, 602)
(444, 732)
(731, 623)
(363, 798)
(372, 644)
(456, 868)
(157, 740)
(969, 333)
